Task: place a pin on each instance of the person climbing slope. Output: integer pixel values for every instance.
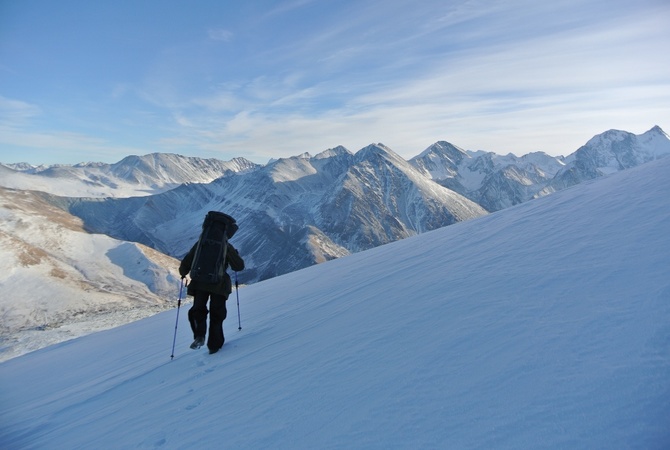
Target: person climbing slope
(207, 262)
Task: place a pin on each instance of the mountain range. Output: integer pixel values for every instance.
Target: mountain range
(293, 212)
(132, 176)
(496, 182)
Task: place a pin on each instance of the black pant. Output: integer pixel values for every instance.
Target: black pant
(197, 316)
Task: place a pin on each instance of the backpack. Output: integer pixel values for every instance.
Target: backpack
(209, 260)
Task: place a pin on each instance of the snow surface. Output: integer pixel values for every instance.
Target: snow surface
(545, 325)
(58, 281)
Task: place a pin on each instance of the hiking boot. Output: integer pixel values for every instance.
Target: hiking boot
(199, 342)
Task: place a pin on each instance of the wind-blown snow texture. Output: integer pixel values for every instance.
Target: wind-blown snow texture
(545, 325)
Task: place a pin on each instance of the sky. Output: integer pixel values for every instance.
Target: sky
(542, 326)
(88, 81)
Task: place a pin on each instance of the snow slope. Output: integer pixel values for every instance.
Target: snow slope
(56, 278)
(545, 325)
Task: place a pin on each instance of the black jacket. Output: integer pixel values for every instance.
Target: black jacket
(233, 259)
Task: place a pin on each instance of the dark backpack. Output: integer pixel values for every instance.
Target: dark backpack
(209, 260)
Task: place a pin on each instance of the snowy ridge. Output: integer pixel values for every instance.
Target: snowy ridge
(541, 326)
(130, 177)
(496, 182)
(493, 181)
(607, 153)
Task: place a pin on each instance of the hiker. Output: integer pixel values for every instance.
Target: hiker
(217, 294)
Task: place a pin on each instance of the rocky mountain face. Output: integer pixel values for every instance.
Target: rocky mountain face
(609, 152)
(493, 181)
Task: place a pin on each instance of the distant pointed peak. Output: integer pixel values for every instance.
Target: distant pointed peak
(374, 149)
(373, 152)
(331, 152)
(304, 155)
(608, 136)
(443, 148)
(657, 130)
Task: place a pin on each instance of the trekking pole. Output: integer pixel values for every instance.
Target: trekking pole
(237, 291)
(174, 340)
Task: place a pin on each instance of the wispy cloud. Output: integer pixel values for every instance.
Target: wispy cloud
(518, 75)
(537, 89)
(23, 135)
(68, 146)
(288, 6)
(16, 111)
(219, 34)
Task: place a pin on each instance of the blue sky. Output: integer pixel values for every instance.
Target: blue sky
(96, 81)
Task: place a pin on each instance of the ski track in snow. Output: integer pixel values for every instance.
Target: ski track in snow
(541, 326)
